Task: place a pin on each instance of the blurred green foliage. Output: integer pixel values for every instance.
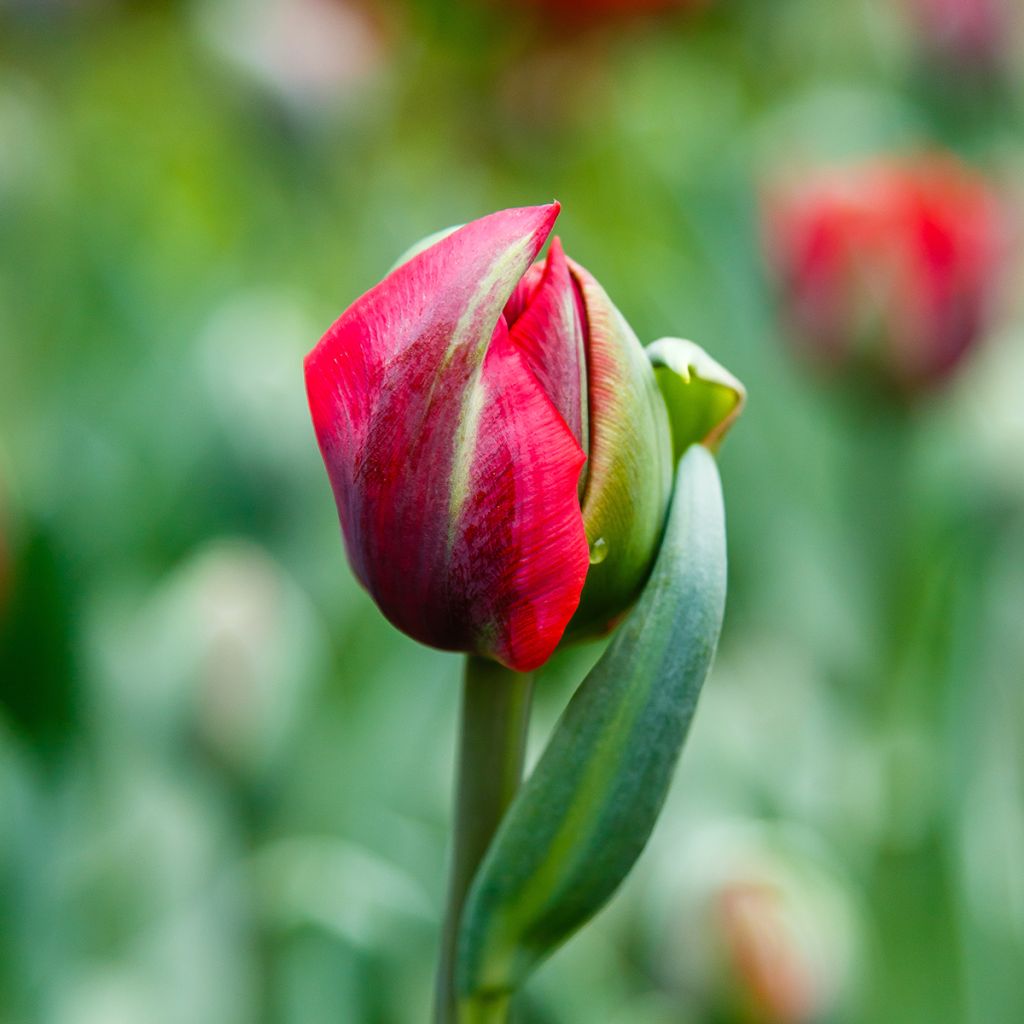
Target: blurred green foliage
(224, 780)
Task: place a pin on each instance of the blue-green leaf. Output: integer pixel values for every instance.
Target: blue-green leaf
(578, 825)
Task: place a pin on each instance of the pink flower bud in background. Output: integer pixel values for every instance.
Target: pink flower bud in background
(762, 947)
(310, 53)
(887, 267)
(971, 34)
(764, 929)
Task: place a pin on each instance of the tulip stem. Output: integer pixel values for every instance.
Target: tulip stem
(492, 744)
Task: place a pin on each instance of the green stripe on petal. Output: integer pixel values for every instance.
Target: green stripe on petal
(484, 306)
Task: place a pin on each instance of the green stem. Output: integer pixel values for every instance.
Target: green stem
(492, 744)
(880, 498)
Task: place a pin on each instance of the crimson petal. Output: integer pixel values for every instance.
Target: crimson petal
(454, 474)
(548, 330)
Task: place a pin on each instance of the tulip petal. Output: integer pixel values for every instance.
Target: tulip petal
(702, 397)
(528, 559)
(523, 292)
(629, 473)
(546, 326)
(455, 476)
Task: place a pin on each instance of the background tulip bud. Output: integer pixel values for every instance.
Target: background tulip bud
(889, 267)
(764, 927)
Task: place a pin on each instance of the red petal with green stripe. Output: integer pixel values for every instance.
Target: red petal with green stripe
(454, 474)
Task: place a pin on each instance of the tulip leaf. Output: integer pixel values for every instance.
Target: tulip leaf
(578, 825)
(702, 397)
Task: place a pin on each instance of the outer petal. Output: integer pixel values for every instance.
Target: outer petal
(441, 455)
(629, 479)
(546, 327)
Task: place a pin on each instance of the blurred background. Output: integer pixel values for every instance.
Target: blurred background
(224, 780)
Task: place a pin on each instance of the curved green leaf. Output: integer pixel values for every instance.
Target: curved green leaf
(580, 822)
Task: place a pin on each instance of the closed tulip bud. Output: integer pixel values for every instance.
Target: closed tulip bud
(497, 443)
(888, 267)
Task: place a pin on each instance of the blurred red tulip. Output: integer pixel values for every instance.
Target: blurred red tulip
(889, 266)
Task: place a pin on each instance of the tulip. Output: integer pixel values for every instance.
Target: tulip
(503, 456)
(888, 267)
(499, 450)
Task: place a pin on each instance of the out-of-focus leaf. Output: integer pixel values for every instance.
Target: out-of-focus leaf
(37, 670)
(338, 885)
(580, 822)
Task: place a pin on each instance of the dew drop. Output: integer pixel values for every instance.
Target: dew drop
(598, 551)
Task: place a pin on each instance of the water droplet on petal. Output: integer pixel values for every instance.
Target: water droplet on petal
(598, 551)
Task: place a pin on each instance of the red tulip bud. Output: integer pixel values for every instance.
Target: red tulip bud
(888, 266)
(497, 443)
